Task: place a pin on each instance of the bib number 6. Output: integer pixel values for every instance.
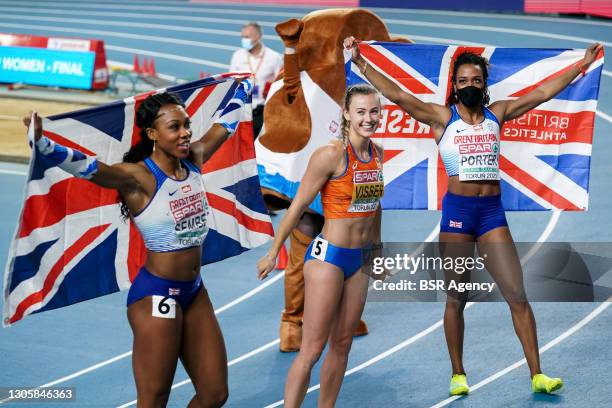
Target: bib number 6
(164, 307)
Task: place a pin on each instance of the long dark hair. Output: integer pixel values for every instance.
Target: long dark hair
(474, 59)
(359, 89)
(145, 116)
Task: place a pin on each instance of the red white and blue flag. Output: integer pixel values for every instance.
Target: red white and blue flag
(71, 243)
(545, 154)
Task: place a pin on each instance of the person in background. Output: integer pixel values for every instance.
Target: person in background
(263, 62)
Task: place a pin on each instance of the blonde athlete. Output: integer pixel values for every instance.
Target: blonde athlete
(348, 173)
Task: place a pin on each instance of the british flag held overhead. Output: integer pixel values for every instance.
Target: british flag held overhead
(71, 244)
(545, 154)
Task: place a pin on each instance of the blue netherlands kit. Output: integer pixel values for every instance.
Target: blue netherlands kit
(471, 151)
(175, 218)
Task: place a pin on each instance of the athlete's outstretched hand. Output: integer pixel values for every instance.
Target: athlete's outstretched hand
(350, 43)
(38, 128)
(591, 53)
(265, 265)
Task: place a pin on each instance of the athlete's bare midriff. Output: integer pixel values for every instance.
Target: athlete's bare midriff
(473, 188)
(181, 265)
(349, 232)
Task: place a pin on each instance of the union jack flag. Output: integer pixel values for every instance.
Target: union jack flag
(71, 243)
(545, 154)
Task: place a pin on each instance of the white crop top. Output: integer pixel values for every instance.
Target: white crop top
(471, 151)
(175, 218)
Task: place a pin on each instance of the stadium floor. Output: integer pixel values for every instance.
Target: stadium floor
(403, 362)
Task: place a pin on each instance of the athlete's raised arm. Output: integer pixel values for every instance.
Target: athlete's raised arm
(430, 113)
(224, 127)
(120, 176)
(510, 109)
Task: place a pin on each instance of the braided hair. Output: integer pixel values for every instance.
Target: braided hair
(145, 116)
(359, 89)
(474, 59)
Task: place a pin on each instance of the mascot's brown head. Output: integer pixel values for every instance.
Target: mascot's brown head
(317, 41)
(303, 110)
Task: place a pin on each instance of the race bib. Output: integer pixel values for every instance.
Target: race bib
(164, 307)
(190, 213)
(478, 156)
(319, 248)
(368, 188)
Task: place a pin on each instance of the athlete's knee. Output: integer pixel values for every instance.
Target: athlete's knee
(155, 398)
(518, 306)
(213, 396)
(454, 305)
(515, 295)
(341, 345)
(311, 352)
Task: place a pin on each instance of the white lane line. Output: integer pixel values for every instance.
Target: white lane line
(572, 330)
(490, 29)
(152, 26)
(441, 40)
(552, 222)
(146, 16)
(261, 11)
(226, 11)
(603, 115)
(154, 38)
(13, 172)
(405, 22)
(554, 218)
(558, 20)
(229, 364)
(270, 37)
(164, 55)
(111, 360)
(108, 46)
(251, 293)
(429, 238)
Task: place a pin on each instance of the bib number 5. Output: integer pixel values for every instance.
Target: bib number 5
(319, 248)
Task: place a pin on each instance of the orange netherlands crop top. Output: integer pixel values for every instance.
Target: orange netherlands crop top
(357, 192)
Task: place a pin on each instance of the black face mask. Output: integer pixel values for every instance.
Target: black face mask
(470, 96)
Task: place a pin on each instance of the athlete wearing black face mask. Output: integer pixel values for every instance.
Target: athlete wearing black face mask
(470, 96)
(467, 130)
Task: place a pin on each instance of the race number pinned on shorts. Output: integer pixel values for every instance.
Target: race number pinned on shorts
(164, 307)
(319, 248)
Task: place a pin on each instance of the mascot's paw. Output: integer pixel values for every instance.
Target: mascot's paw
(361, 330)
(290, 31)
(290, 336)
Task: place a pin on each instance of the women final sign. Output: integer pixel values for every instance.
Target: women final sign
(53, 61)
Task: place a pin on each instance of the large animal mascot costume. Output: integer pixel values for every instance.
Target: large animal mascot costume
(302, 113)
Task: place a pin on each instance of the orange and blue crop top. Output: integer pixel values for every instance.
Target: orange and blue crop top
(357, 192)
